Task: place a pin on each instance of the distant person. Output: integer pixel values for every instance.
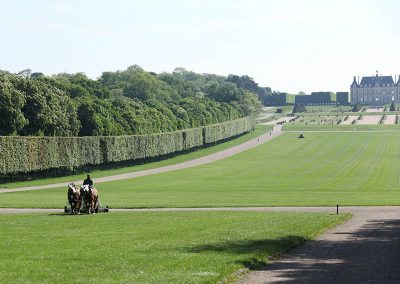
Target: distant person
(88, 181)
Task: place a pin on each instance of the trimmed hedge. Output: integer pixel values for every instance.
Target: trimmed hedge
(216, 132)
(28, 154)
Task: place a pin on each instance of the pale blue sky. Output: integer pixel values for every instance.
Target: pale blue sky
(287, 45)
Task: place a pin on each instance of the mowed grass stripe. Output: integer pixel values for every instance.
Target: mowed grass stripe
(350, 160)
(319, 164)
(322, 169)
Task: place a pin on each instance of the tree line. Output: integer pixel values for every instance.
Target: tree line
(128, 102)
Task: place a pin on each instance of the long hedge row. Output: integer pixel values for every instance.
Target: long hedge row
(27, 154)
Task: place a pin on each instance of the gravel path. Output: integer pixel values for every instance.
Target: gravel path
(362, 250)
(369, 120)
(196, 162)
(390, 119)
(349, 120)
(283, 119)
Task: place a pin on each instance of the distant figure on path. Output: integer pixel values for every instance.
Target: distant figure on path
(88, 181)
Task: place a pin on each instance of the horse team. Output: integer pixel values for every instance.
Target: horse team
(87, 195)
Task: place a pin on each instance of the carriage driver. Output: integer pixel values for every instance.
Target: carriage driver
(88, 182)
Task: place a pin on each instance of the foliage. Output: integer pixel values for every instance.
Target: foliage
(27, 154)
(299, 108)
(392, 107)
(176, 159)
(356, 108)
(216, 132)
(12, 118)
(129, 102)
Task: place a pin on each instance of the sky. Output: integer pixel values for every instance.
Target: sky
(288, 45)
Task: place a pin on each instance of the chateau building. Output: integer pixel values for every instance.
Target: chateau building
(375, 90)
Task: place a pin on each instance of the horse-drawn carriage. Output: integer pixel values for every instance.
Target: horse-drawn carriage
(85, 200)
(99, 208)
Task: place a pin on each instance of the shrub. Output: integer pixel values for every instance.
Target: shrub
(356, 108)
(392, 107)
(27, 154)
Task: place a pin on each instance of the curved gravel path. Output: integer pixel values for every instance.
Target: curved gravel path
(192, 163)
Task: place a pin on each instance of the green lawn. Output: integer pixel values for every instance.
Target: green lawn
(329, 108)
(260, 129)
(350, 168)
(176, 247)
(285, 109)
(339, 127)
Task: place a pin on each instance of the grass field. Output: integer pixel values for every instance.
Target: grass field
(260, 129)
(339, 127)
(285, 109)
(351, 168)
(190, 247)
(329, 108)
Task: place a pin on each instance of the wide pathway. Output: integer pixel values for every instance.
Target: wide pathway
(192, 163)
(366, 249)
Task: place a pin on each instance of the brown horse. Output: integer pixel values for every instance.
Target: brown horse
(74, 199)
(90, 198)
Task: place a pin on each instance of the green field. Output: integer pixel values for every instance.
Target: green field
(189, 247)
(350, 168)
(297, 126)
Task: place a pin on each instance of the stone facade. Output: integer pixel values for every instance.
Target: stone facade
(375, 90)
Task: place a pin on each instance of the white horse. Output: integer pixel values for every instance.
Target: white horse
(74, 199)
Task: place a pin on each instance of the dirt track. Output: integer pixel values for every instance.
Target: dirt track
(196, 162)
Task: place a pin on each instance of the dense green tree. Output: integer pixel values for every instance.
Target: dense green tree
(73, 84)
(247, 83)
(131, 101)
(49, 111)
(12, 119)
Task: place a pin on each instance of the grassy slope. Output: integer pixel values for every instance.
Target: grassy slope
(260, 129)
(351, 168)
(190, 247)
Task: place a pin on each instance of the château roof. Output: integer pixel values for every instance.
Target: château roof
(354, 84)
(376, 81)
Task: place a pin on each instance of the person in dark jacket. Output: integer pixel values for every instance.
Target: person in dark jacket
(88, 182)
